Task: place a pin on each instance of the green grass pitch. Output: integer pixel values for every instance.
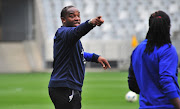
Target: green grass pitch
(29, 91)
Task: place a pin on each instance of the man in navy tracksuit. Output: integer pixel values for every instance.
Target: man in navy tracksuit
(66, 81)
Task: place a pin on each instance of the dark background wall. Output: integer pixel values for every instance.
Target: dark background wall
(16, 20)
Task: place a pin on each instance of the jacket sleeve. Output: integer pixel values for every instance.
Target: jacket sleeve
(168, 72)
(73, 34)
(92, 57)
(132, 83)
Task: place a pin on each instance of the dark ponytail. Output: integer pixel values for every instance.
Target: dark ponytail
(159, 31)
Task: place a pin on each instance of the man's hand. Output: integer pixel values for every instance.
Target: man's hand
(176, 102)
(104, 62)
(97, 21)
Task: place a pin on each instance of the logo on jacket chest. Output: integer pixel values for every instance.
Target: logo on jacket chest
(82, 53)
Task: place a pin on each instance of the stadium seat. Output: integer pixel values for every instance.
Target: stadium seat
(123, 18)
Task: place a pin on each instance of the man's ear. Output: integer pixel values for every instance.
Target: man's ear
(63, 20)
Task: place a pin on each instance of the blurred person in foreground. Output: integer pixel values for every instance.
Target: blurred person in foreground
(66, 81)
(153, 72)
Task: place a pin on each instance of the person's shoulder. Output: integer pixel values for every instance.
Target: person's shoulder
(167, 48)
(141, 44)
(62, 28)
(65, 29)
(61, 32)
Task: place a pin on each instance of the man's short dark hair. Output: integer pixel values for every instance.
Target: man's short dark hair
(64, 10)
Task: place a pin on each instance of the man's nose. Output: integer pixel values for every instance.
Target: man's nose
(77, 18)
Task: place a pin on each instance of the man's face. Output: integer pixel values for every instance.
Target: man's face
(72, 18)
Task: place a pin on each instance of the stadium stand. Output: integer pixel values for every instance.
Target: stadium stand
(123, 19)
(117, 14)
